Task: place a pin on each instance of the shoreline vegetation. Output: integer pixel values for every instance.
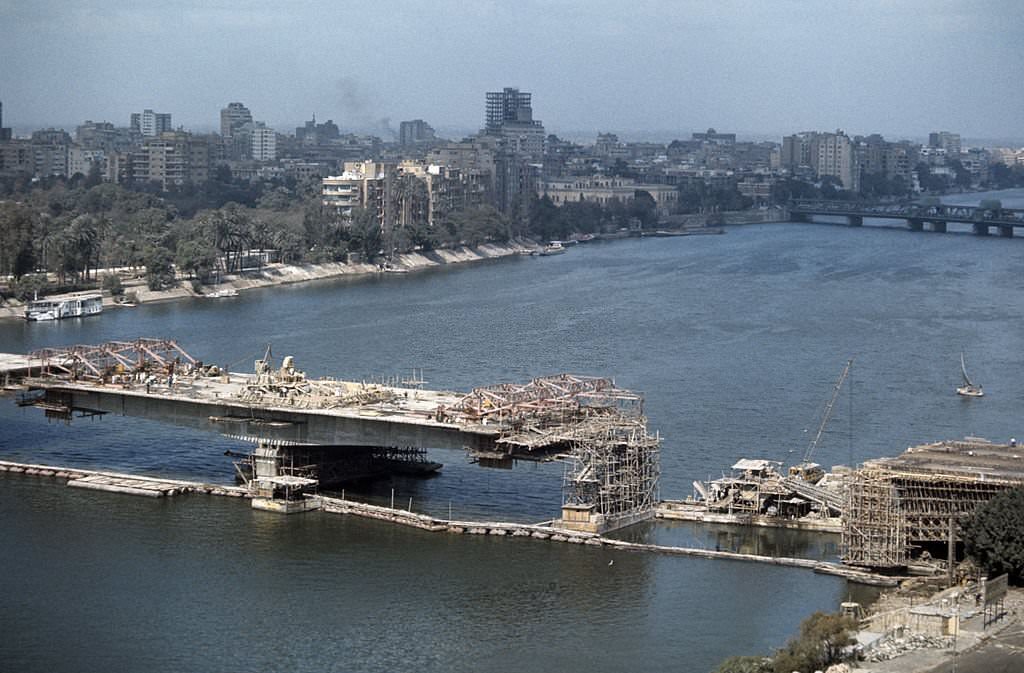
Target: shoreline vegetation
(134, 284)
(275, 274)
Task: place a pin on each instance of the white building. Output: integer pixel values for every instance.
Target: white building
(263, 142)
(151, 124)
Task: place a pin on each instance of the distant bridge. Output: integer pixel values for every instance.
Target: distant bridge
(918, 216)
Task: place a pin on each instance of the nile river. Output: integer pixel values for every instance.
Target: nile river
(736, 340)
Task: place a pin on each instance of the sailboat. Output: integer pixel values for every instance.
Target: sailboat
(968, 389)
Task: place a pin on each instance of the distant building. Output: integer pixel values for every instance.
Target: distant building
(105, 136)
(713, 137)
(81, 160)
(832, 154)
(796, 150)
(313, 134)
(174, 158)
(263, 143)
(5, 133)
(606, 144)
(151, 124)
(234, 117)
(950, 142)
(605, 190)
(509, 116)
(362, 184)
(413, 132)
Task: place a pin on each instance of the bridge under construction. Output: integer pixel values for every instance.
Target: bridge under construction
(309, 432)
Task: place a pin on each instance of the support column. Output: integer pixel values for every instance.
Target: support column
(915, 224)
(980, 229)
(855, 220)
(273, 488)
(1006, 231)
(939, 227)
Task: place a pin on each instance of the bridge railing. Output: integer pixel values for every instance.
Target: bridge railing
(904, 209)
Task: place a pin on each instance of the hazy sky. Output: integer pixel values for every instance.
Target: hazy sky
(902, 68)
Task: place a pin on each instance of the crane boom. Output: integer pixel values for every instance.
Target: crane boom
(828, 412)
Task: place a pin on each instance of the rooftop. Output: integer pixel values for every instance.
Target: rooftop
(972, 458)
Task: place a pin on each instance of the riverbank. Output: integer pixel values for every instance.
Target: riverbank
(284, 274)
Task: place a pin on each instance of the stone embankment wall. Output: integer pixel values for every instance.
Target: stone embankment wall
(282, 274)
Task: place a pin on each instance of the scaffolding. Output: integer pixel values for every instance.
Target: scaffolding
(897, 506)
(612, 471)
(113, 359)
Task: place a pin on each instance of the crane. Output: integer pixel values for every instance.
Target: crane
(805, 469)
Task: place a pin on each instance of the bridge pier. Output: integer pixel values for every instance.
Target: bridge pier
(276, 489)
(306, 467)
(939, 227)
(855, 220)
(980, 229)
(1005, 231)
(799, 217)
(915, 224)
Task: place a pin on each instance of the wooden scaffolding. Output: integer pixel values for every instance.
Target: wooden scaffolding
(897, 506)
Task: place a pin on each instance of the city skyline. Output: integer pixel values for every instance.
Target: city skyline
(649, 68)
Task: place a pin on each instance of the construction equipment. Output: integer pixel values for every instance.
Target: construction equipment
(805, 469)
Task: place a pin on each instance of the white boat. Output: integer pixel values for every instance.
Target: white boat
(552, 248)
(226, 292)
(58, 307)
(969, 388)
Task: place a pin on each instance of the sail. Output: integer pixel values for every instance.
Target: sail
(963, 369)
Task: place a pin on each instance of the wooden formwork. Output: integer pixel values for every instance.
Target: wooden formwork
(923, 496)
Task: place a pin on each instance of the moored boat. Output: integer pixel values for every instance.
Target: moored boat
(57, 307)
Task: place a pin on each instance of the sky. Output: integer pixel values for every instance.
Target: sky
(639, 68)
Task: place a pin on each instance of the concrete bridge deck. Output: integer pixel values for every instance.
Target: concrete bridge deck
(309, 431)
(982, 219)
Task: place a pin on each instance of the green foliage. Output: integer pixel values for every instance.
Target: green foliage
(111, 282)
(27, 286)
(159, 271)
(823, 641)
(745, 665)
(963, 176)
(994, 535)
(877, 185)
(929, 181)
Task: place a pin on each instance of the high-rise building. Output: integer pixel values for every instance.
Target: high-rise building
(5, 133)
(946, 141)
(510, 117)
(234, 117)
(173, 158)
(263, 142)
(508, 105)
(796, 150)
(151, 124)
(832, 154)
(415, 131)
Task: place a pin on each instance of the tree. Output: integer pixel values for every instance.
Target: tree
(745, 665)
(159, 271)
(824, 640)
(963, 176)
(111, 282)
(994, 535)
(644, 207)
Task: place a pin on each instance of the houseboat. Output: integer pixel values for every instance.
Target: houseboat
(57, 307)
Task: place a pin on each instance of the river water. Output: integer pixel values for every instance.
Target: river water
(736, 340)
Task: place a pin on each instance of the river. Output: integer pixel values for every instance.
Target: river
(736, 340)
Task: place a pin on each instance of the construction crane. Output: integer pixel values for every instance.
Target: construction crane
(805, 469)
